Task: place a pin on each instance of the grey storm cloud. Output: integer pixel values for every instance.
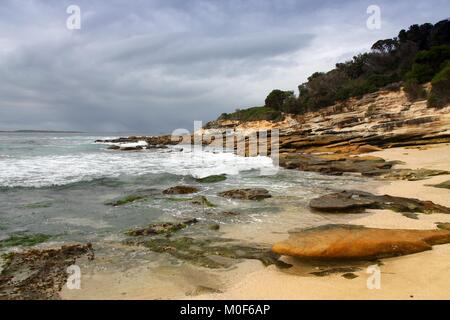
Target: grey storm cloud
(153, 66)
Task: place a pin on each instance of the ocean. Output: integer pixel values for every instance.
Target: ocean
(59, 185)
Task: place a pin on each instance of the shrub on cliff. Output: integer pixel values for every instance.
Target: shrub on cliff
(414, 91)
(440, 91)
(253, 114)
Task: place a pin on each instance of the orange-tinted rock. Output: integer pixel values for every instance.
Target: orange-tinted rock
(358, 243)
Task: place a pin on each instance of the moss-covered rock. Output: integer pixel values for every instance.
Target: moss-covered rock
(24, 240)
(246, 194)
(160, 228)
(39, 274)
(38, 205)
(181, 190)
(130, 198)
(125, 200)
(202, 201)
(205, 252)
(212, 179)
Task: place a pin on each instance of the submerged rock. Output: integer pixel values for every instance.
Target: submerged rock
(246, 194)
(25, 240)
(203, 201)
(210, 252)
(137, 196)
(161, 228)
(181, 190)
(39, 274)
(212, 179)
(358, 201)
(358, 243)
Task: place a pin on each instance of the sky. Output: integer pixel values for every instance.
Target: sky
(152, 66)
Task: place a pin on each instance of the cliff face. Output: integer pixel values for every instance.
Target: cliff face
(330, 140)
(381, 113)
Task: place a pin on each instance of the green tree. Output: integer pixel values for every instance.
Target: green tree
(275, 100)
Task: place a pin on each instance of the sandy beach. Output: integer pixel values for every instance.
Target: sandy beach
(423, 275)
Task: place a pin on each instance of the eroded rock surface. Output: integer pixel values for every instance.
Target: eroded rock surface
(358, 201)
(181, 190)
(358, 243)
(161, 228)
(39, 274)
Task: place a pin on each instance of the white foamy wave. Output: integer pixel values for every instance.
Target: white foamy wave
(39, 171)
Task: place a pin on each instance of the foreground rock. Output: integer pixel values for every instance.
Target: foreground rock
(181, 190)
(39, 274)
(336, 164)
(358, 201)
(358, 243)
(246, 194)
(166, 228)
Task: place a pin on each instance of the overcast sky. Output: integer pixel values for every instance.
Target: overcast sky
(152, 66)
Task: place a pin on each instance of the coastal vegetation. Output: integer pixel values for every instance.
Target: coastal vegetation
(416, 56)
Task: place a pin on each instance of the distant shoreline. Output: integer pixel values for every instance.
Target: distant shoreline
(39, 131)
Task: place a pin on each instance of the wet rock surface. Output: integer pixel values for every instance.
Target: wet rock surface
(166, 228)
(210, 252)
(246, 194)
(343, 242)
(330, 271)
(212, 179)
(39, 274)
(413, 175)
(358, 201)
(138, 195)
(181, 190)
(336, 165)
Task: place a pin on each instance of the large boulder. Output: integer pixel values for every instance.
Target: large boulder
(358, 243)
(246, 194)
(357, 201)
